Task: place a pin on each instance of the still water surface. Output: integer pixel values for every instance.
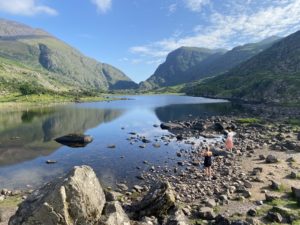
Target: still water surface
(26, 137)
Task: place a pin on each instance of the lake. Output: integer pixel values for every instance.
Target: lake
(27, 137)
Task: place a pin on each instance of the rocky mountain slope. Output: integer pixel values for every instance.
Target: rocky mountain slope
(175, 69)
(188, 64)
(28, 55)
(271, 76)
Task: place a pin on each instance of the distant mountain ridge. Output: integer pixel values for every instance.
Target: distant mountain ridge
(188, 64)
(178, 62)
(271, 76)
(46, 58)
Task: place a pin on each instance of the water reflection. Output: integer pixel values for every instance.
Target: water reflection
(25, 135)
(190, 111)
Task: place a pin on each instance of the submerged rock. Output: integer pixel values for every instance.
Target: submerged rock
(77, 198)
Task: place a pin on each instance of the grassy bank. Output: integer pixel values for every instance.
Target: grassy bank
(15, 100)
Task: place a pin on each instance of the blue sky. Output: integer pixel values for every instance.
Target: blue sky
(136, 35)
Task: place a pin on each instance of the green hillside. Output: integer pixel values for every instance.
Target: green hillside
(188, 64)
(28, 54)
(271, 76)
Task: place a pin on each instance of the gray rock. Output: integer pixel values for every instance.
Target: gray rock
(221, 220)
(157, 201)
(76, 197)
(293, 175)
(122, 187)
(251, 212)
(253, 221)
(296, 193)
(138, 188)
(275, 185)
(247, 194)
(271, 159)
(239, 222)
(210, 203)
(223, 197)
(113, 214)
(272, 196)
(178, 218)
(171, 126)
(206, 213)
(274, 217)
(247, 184)
(147, 221)
(112, 195)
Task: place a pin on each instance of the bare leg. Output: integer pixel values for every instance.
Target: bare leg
(209, 171)
(206, 171)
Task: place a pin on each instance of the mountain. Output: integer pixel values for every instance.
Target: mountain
(271, 76)
(231, 58)
(184, 64)
(33, 55)
(174, 70)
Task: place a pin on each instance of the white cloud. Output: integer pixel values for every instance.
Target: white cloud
(102, 5)
(226, 30)
(25, 7)
(195, 5)
(172, 8)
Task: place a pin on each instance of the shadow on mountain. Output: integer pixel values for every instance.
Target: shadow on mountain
(190, 111)
(25, 135)
(124, 84)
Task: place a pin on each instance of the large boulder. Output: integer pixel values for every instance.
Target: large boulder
(113, 214)
(156, 202)
(75, 140)
(77, 198)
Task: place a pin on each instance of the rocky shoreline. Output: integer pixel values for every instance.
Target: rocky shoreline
(256, 184)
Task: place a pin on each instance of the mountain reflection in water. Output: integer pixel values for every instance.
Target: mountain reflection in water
(25, 135)
(27, 138)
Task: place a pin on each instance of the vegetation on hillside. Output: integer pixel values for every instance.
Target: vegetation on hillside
(273, 76)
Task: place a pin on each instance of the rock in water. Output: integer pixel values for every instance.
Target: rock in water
(171, 126)
(77, 198)
(75, 140)
(157, 201)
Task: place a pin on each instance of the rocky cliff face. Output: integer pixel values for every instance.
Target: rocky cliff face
(175, 69)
